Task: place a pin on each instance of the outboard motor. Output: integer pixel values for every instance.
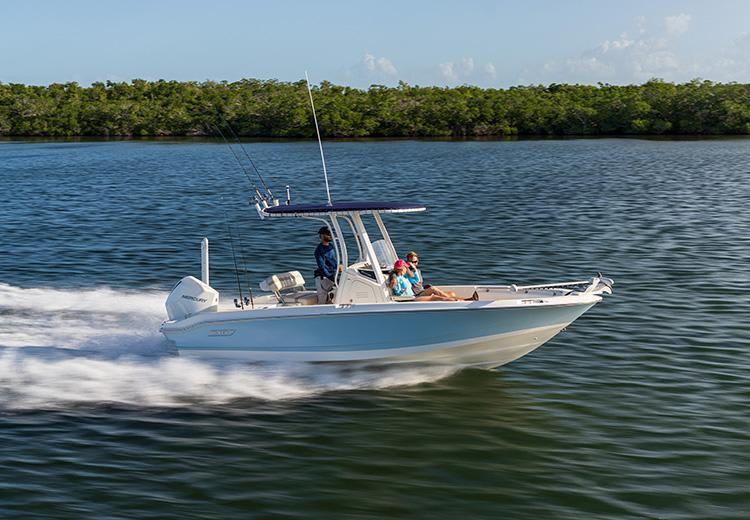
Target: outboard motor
(191, 296)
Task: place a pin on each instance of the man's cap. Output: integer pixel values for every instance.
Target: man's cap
(324, 231)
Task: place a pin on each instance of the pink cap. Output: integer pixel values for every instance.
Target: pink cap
(400, 264)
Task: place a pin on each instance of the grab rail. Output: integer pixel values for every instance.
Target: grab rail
(592, 285)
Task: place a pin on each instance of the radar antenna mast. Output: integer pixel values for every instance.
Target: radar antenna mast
(320, 143)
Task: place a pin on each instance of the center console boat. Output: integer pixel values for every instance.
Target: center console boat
(364, 322)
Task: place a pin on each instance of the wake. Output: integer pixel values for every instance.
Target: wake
(61, 346)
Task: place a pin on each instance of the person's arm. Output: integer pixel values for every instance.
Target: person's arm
(407, 290)
(394, 285)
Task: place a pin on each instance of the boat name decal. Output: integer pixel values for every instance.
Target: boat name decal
(221, 332)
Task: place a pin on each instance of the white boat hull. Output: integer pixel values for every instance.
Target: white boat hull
(483, 352)
(486, 334)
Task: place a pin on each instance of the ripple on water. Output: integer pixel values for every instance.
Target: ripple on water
(640, 409)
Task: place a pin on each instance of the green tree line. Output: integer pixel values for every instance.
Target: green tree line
(269, 108)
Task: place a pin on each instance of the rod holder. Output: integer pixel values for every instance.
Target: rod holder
(204, 261)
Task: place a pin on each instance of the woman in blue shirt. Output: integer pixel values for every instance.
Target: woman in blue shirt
(399, 283)
(414, 275)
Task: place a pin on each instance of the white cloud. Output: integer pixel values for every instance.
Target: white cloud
(678, 24)
(626, 58)
(658, 61)
(622, 43)
(640, 23)
(386, 66)
(732, 63)
(369, 62)
(379, 65)
(467, 71)
(448, 72)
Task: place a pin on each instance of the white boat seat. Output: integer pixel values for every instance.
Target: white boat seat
(282, 281)
(290, 283)
(300, 298)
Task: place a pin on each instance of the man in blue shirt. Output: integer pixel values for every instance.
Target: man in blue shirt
(327, 261)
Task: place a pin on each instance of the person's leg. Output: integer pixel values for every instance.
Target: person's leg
(444, 294)
(322, 291)
(437, 298)
(453, 296)
(432, 290)
(432, 298)
(328, 286)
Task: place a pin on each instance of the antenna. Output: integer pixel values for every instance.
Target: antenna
(320, 143)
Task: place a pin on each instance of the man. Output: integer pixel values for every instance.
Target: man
(327, 261)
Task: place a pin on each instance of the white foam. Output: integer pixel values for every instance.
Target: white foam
(101, 299)
(65, 347)
(92, 319)
(32, 382)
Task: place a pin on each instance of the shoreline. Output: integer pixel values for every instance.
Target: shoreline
(272, 139)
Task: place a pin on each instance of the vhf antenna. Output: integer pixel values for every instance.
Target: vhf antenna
(320, 143)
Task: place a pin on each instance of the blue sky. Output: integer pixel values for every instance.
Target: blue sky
(491, 44)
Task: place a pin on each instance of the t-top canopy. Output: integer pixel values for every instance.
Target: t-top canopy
(301, 210)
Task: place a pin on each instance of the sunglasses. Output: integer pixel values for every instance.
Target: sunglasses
(414, 261)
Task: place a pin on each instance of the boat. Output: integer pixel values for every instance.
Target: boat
(490, 325)
(364, 322)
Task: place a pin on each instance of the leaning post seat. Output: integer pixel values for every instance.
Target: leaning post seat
(288, 282)
(282, 281)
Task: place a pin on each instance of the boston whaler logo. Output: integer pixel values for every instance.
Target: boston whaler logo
(221, 332)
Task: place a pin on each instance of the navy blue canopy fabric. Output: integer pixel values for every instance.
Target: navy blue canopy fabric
(343, 207)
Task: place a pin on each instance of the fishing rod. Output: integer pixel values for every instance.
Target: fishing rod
(244, 267)
(242, 300)
(244, 151)
(234, 258)
(236, 157)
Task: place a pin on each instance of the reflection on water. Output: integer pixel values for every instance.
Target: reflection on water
(640, 409)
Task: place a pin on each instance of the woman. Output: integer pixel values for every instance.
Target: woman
(414, 275)
(399, 284)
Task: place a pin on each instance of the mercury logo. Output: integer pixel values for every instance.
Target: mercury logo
(194, 299)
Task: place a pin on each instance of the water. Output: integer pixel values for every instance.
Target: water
(639, 410)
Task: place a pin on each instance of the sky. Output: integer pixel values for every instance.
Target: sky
(357, 43)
